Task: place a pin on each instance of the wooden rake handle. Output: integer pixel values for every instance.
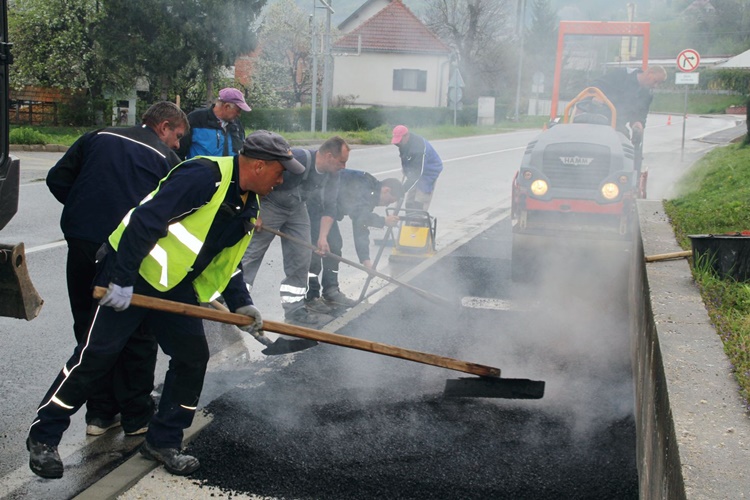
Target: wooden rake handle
(668, 256)
(308, 333)
(436, 299)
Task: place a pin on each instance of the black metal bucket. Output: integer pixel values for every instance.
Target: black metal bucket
(727, 254)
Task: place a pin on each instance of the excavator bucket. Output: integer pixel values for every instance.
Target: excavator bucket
(18, 297)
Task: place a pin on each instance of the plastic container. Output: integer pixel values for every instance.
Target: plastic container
(728, 254)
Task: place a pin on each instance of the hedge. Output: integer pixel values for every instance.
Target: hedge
(358, 119)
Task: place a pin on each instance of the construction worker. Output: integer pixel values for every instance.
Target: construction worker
(630, 93)
(183, 243)
(421, 166)
(359, 194)
(285, 210)
(104, 174)
(216, 131)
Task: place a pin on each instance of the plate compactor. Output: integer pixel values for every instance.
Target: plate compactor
(416, 236)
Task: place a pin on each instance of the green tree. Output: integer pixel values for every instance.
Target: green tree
(145, 37)
(540, 40)
(285, 49)
(55, 45)
(216, 32)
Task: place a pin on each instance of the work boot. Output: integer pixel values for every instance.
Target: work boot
(336, 298)
(303, 317)
(317, 305)
(98, 426)
(44, 461)
(174, 460)
(137, 432)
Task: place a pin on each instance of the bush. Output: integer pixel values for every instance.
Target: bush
(26, 135)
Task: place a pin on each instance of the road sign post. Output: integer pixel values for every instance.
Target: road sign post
(687, 62)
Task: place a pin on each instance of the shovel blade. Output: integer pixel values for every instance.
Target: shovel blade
(490, 387)
(18, 297)
(286, 346)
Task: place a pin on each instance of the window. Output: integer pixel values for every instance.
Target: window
(410, 79)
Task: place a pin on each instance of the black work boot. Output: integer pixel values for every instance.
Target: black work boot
(303, 317)
(335, 297)
(44, 461)
(317, 305)
(174, 460)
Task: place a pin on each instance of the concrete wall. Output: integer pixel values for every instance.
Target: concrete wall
(693, 430)
(369, 77)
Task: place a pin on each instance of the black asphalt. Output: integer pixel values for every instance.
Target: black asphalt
(339, 424)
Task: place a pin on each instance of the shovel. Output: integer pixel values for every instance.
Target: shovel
(435, 299)
(488, 385)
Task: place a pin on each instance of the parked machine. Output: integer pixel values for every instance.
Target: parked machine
(578, 180)
(18, 298)
(416, 236)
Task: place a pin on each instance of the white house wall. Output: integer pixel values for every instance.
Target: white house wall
(369, 77)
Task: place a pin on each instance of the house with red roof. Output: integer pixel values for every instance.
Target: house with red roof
(388, 57)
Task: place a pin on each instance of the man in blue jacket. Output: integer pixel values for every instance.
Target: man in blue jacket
(421, 166)
(102, 176)
(183, 243)
(216, 131)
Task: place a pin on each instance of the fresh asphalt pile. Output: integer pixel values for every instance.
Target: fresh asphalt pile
(338, 423)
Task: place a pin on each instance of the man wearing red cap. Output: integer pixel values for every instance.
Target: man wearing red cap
(421, 166)
(216, 131)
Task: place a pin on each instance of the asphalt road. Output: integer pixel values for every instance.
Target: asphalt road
(474, 185)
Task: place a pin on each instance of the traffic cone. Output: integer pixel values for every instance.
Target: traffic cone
(669, 120)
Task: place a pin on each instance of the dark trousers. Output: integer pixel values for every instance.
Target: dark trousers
(126, 389)
(329, 277)
(180, 337)
(286, 212)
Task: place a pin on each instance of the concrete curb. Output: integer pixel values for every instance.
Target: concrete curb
(693, 429)
(47, 148)
(135, 468)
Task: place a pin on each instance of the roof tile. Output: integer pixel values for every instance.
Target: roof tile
(393, 29)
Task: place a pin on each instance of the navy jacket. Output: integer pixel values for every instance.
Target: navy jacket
(189, 187)
(630, 100)
(359, 194)
(104, 174)
(207, 138)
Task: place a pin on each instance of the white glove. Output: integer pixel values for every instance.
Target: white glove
(254, 328)
(117, 297)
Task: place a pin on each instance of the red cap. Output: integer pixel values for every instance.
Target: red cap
(399, 131)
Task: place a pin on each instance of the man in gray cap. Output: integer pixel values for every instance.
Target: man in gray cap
(216, 131)
(159, 251)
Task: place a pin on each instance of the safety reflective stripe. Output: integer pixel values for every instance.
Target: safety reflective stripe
(291, 294)
(60, 403)
(160, 256)
(187, 239)
(66, 372)
(191, 408)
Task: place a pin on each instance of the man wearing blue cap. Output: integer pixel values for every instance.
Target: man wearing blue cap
(216, 131)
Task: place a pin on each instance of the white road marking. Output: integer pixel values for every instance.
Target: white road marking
(46, 246)
(459, 158)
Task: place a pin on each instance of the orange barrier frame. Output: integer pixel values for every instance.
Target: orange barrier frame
(603, 28)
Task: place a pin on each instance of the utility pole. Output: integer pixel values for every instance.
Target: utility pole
(326, 66)
(314, 87)
(326, 52)
(520, 26)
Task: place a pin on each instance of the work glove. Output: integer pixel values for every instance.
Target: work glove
(255, 328)
(117, 297)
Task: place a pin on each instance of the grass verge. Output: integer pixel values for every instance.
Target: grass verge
(715, 199)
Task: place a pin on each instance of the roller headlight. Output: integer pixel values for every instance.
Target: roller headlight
(610, 191)
(539, 187)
